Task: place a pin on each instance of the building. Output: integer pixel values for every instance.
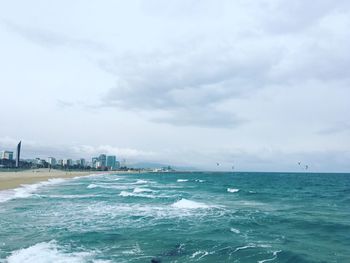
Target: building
(103, 160)
(94, 161)
(67, 162)
(98, 165)
(51, 161)
(81, 162)
(111, 162)
(18, 154)
(7, 155)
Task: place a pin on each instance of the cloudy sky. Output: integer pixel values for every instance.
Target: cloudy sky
(256, 84)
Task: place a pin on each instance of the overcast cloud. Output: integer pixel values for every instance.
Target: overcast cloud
(259, 85)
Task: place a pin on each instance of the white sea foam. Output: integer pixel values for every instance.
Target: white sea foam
(188, 204)
(27, 190)
(245, 247)
(141, 182)
(251, 246)
(235, 230)
(48, 252)
(134, 250)
(108, 186)
(68, 196)
(142, 190)
(274, 254)
(200, 181)
(91, 186)
(200, 254)
(182, 180)
(232, 190)
(126, 194)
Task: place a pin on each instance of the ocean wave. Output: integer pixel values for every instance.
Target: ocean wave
(68, 196)
(46, 252)
(200, 181)
(128, 194)
(27, 190)
(140, 181)
(232, 190)
(251, 246)
(135, 250)
(274, 254)
(188, 204)
(108, 186)
(235, 230)
(142, 190)
(199, 254)
(87, 176)
(181, 180)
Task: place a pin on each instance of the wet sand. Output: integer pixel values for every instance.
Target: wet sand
(10, 180)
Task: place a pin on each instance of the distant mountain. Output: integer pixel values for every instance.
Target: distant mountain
(150, 165)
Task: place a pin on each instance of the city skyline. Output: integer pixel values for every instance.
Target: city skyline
(103, 162)
(14, 161)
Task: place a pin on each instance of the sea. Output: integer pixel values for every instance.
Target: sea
(179, 217)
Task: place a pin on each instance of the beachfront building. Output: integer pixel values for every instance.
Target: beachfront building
(81, 162)
(67, 162)
(18, 154)
(99, 162)
(7, 155)
(51, 161)
(103, 160)
(98, 165)
(111, 162)
(94, 161)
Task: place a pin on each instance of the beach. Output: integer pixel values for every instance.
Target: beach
(10, 180)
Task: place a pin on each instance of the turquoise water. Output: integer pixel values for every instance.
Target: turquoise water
(179, 217)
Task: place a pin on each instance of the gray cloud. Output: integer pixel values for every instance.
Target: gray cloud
(64, 104)
(301, 42)
(335, 129)
(281, 17)
(201, 117)
(184, 81)
(51, 39)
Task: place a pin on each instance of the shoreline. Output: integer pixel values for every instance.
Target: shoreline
(12, 180)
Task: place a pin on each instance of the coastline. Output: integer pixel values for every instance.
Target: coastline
(11, 180)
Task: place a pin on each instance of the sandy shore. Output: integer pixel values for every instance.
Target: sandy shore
(10, 180)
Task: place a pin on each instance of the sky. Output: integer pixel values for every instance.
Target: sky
(256, 84)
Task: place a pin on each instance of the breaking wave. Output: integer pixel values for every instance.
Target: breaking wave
(46, 252)
(188, 204)
(181, 180)
(128, 194)
(27, 190)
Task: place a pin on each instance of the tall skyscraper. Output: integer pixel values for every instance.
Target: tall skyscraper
(103, 160)
(18, 154)
(94, 162)
(67, 162)
(51, 161)
(80, 162)
(111, 162)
